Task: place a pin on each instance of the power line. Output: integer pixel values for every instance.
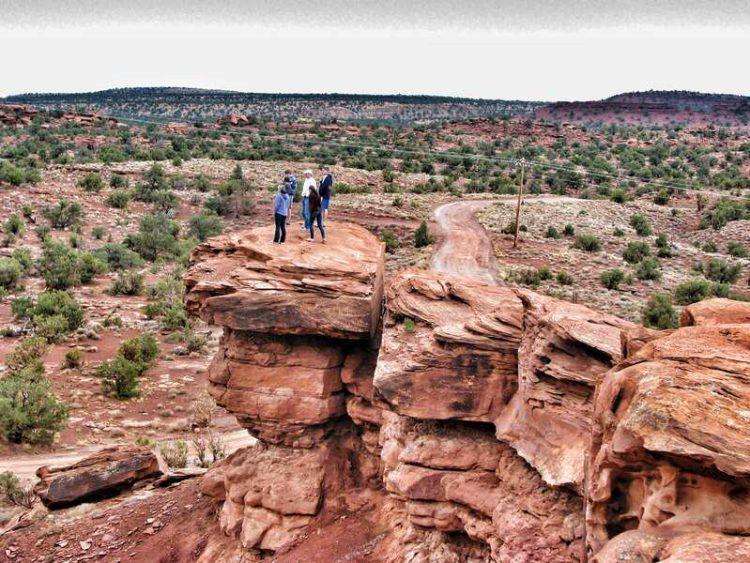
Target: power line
(679, 186)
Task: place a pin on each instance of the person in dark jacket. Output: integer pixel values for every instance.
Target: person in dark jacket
(280, 212)
(316, 214)
(290, 181)
(326, 187)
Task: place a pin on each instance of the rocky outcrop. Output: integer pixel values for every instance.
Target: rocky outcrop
(670, 450)
(299, 322)
(102, 474)
(16, 115)
(489, 424)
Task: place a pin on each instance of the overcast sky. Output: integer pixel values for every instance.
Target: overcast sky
(532, 49)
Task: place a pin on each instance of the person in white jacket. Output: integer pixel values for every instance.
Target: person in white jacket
(309, 183)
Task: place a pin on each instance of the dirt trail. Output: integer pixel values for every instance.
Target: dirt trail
(466, 249)
(25, 466)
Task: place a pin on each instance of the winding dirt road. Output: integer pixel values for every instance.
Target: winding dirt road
(465, 248)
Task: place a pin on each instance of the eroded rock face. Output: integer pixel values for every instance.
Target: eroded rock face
(243, 281)
(564, 352)
(716, 312)
(671, 438)
(105, 473)
(449, 347)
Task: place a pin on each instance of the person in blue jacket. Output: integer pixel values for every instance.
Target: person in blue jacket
(280, 213)
(325, 190)
(290, 180)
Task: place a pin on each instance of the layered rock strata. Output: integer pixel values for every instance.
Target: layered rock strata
(492, 424)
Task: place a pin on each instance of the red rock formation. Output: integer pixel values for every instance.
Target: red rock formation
(104, 473)
(16, 115)
(716, 312)
(670, 450)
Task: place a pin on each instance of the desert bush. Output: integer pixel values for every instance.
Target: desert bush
(409, 324)
(174, 453)
(89, 266)
(53, 314)
(724, 211)
(12, 492)
(564, 278)
(22, 255)
(118, 199)
(118, 256)
(635, 252)
(201, 183)
(126, 283)
(29, 410)
(142, 350)
(390, 239)
(661, 197)
(73, 359)
(209, 447)
(641, 224)
(63, 214)
(97, 232)
(611, 279)
(118, 181)
(648, 269)
(92, 182)
(28, 351)
(569, 230)
(587, 242)
(736, 249)
(722, 271)
(552, 233)
(156, 237)
(205, 225)
(120, 378)
(659, 312)
(62, 267)
(422, 236)
(10, 273)
(692, 291)
(14, 225)
(710, 246)
(618, 232)
(619, 196)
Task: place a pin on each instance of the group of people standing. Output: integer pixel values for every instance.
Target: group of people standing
(316, 199)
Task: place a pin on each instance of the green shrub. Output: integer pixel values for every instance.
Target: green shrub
(127, 283)
(174, 453)
(90, 266)
(14, 225)
(724, 211)
(564, 278)
(648, 269)
(587, 242)
(64, 214)
(390, 240)
(635, 252)
(22, 255)
(120, 378)
(736, 249)
(205, 225)
(29, 410)
(118, 256)
(619, 196)
(422, 236)
(409, 324)
(661, 197)
(611, 279)
(174, 317)
(618, 232)
(53, 314)
(641, 224)
(97, 232)
(142, 349)
(10, 273)
(118, 181)
(119, 199)
(525, 276)
(92, 182)
(721, 289)
(201, 183)
(710, 246)
(722, 271)
(73, 359)
(659, 312)
(692, 291)
(569, 230)
(552, 233)
(27, 352)
(156, 237)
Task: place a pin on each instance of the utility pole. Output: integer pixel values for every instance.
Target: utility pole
(518, 205)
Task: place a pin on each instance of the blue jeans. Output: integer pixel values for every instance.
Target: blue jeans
(317, 216)
(306, 211)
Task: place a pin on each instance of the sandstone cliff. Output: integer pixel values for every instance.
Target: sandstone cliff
(471, 422)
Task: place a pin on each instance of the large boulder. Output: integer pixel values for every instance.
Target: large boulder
(243, 281)
(449, 347)
(717, 311)
(103, 474)
(670, 450)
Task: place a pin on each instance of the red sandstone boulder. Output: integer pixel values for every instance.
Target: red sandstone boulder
(670, 453)
(245, 282)
(716, 312)
(102, 474)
